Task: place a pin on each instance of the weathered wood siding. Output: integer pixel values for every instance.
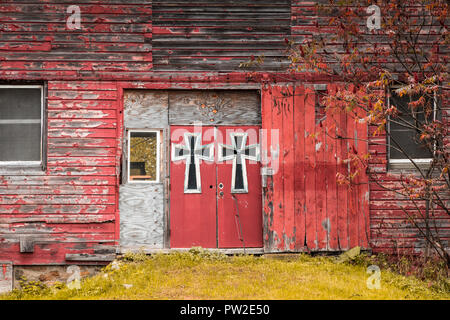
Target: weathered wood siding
(144, 211)
(219, 34)
(70, 208)
(143, 207)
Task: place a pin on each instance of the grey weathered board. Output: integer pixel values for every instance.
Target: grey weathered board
(219, 35)
(145, 109)
(6, 277)
(142, 215)
(214, 107)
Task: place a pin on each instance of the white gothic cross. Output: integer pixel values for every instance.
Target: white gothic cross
(192, 151)
(239, 152)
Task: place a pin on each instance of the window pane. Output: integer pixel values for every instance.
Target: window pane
(20, 142)
(143, 156)
(408, 138)
(20, 103)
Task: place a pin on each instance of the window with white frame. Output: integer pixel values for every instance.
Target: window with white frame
(144, 156)
(21, 125)
(404, 130)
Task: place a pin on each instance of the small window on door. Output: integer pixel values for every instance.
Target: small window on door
(143, 156)
(21, 125)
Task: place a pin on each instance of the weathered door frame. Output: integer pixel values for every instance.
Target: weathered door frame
(165, 151)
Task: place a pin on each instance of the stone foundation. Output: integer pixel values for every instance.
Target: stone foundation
(49, 275)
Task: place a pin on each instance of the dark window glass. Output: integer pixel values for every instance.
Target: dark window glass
(408, 137)
(143, 156)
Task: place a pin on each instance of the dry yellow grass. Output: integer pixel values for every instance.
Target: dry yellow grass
(201, 275)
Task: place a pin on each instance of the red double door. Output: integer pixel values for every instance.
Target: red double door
(215, 187)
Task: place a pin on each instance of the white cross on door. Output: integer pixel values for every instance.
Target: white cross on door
(239, 152)
(192, 151)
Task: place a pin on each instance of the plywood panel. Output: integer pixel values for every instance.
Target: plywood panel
(141, 215)
(214, 107)
(145, 109)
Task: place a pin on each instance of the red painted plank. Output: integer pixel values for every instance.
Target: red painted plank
(82, 142)
(246, 230)
(330, 176)
(54, 251)
(58, 189)
(82, 95)
(56, 218)
(353, 191)
(32, 209)
(82, 114)
(81, 104)
(279, 102)
(267, 162)
(363, 183)
(320, 184)
(82, 171)
(50, 229)
(56, 199)
(81, 133)
(82, 85)
(119, 150)
(310, 167)
(193, 218)
(288, 168)
(81, 161)
(376, 214)
(299, 167)
(78, 151)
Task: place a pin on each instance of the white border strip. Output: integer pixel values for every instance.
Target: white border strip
(158, 155)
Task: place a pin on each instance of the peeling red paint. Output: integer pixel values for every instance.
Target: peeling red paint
(87, 70)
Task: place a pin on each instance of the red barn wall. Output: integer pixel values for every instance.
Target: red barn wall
(305, 208)
(72, 208)
(390, 227)
(114, 40)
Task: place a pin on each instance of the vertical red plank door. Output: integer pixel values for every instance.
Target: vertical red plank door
(192, 188)
(239, 195)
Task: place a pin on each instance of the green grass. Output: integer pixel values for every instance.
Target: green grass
(202, 275)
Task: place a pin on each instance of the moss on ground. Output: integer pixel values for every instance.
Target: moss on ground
(200, 274)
